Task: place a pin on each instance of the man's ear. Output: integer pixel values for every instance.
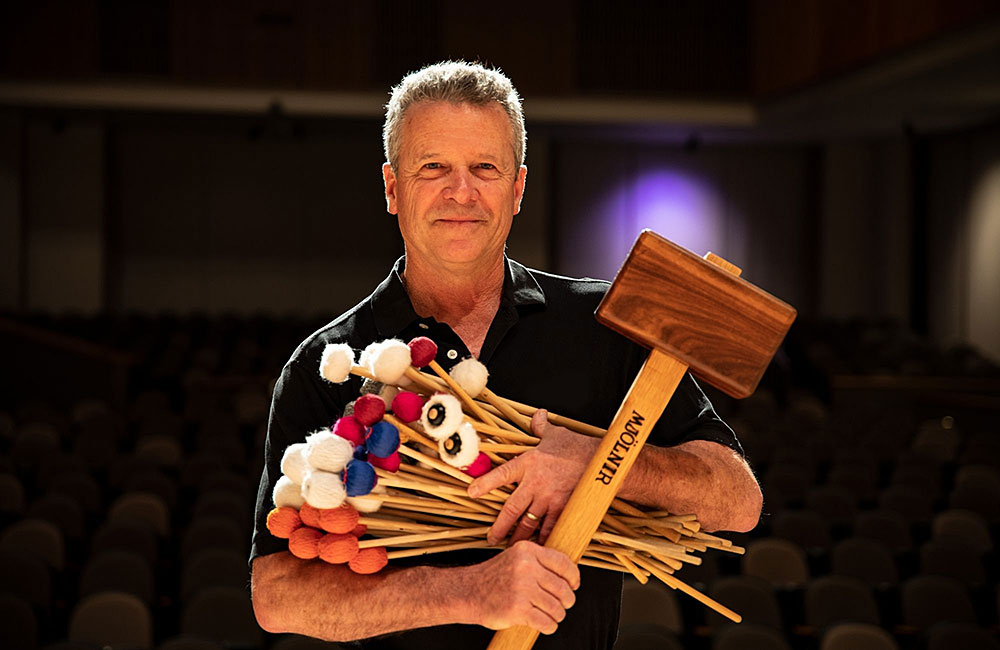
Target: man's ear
(522, 174)
(389, 179)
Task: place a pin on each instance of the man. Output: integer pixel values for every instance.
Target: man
(454, 142)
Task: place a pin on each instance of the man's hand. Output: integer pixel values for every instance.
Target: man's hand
(545, 477)
(526, 584)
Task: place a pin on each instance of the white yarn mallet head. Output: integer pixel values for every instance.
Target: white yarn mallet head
(336, 363)
(387, 360)
(368, 504)
(323, 489)
(471, 375)
(460, 448)
(441, 415)
(327, 451)
(293, 463)
(287, 493)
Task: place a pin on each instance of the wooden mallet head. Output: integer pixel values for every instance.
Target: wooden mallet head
(691, 312)
(698, 311)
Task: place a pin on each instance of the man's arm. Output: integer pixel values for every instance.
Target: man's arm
(699, 476)
(526, 584)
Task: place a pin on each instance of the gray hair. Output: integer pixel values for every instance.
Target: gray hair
(458, 82)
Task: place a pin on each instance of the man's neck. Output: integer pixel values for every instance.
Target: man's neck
(466, 301)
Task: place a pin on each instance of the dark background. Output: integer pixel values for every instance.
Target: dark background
(189, 188)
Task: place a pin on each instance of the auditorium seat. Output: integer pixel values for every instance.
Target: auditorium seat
(752, 597)
(954, 636)
(112, 619)
(12, 498)
(632, 636)
(789, 481)
(834, 503)
(213, 532)
(188, 642)
(969, 526)
(160, 449)
(886, 526)
(25, 575)
(915, 507)
(215, 567)
(865, 559)
(142, 507)
(61, 510)
(122, 571)
(929, 599)
(778, 561)
(33, 443)
(952, 558)
(18, 625)
(222, 614)
(132, 536)
(80, 486)
(857, 636)
(222, 503)
(982, 498)
(839, 599)
(153, 481)
(803, 527)
(748, 635)
(36, 537)
(985, 477)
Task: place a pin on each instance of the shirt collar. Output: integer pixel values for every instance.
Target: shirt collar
(393, 310)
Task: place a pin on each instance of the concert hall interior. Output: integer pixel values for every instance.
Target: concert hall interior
(189, 189)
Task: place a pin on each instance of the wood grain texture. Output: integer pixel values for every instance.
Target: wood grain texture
(651, 390)
(724, 328)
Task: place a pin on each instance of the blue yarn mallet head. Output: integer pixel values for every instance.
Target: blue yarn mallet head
(359, 478)
(383, 439)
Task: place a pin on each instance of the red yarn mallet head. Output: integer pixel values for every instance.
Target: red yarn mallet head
(303, 543)
(338, 520)
(359, 530)
(369, 409)
(369, 560)
(422, 351)
(479, 466)
(349, 428)
(407, 406)
(337, 549)
(309, 515)
(283, 521)
(390, 463)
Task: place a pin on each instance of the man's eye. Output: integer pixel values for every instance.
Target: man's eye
(432, 165)
(487, 166)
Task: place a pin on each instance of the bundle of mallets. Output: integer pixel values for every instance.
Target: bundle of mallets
(350, 481)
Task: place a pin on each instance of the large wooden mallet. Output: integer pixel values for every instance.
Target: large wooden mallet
(693, 313)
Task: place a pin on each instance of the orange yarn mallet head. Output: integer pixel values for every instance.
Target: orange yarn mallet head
(283, 521)
(369, 560)
(303, 543)
(338, 549)
(338, 520)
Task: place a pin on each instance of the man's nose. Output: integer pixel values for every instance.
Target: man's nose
(461, 186)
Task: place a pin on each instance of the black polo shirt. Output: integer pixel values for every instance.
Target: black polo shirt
(544, 348)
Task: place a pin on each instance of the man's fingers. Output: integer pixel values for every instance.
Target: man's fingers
(558, 587)
(548, 523)
(527, 525)
(559, 563)
(512, 510)
(550, 605)
(540, 423)
(505, 474)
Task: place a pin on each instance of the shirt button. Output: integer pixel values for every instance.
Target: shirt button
(452, 354)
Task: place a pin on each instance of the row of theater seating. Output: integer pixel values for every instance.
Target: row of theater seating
(152, 503)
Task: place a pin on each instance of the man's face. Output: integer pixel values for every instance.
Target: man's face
(456, 189)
